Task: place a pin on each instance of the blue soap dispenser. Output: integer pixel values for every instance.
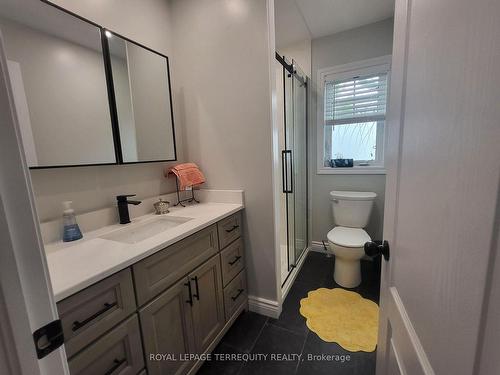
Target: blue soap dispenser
(71, 230)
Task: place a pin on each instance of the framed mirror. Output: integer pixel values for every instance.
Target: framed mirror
(58, 77)
(142, 93)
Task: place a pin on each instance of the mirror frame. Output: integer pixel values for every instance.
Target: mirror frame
(115, 108)
(111, 96)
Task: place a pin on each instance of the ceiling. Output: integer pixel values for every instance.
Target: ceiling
(298, 20)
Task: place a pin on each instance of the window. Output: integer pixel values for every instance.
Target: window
(351, 118)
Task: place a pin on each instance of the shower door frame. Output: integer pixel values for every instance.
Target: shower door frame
(289, 68)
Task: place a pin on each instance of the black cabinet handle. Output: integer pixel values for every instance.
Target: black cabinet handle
(197, 295)
(237, 258)
(233, 228)
(117, 363)
(77, 324)
(190, 300)
(237, 295)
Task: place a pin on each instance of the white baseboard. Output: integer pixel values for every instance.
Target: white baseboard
(264, 306)
(318, 247)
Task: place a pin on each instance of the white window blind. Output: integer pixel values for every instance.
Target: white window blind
(355, 100)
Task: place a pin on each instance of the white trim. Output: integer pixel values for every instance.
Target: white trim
(264, 306)
(276, 152)
(24, 276)
(318, 247)
(392, 153)
(353, 170)
(374, 65)
(293, 275)
(422, 362)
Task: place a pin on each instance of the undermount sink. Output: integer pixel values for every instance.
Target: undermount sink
(135, 233)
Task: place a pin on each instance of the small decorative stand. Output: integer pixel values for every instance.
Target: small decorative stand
(180, 201)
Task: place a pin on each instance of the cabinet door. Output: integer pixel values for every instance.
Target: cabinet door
(167, 328)
(208, 307)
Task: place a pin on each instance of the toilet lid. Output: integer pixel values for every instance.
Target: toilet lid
(348, 237)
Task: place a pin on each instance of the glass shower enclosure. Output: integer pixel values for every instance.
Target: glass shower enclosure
(292, 119)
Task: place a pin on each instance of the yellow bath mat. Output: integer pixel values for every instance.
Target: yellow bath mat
(341, 316)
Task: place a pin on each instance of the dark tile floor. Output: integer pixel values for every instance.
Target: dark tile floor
(253, 334)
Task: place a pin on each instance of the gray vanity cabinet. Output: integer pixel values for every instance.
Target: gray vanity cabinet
(186, 297)
(167, 328)
(208, 303)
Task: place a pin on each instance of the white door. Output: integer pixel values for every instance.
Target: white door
(443, 160)
(26, 299)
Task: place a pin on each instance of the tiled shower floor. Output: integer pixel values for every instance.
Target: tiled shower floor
(254, 334)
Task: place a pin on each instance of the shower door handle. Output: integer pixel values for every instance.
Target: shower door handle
(286, 169)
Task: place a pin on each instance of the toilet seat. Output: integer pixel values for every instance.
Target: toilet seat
(348, 237)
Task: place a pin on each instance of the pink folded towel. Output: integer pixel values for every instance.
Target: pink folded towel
(188, 174)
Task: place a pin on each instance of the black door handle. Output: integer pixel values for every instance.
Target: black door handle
(197, 295)
(373, 249)
(190, 300)
(285, 171)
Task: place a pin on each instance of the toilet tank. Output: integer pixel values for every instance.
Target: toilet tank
(351, 208)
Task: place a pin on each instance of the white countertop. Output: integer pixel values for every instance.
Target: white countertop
(74, 266)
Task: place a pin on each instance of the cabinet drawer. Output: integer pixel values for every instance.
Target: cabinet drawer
(232, 260)
(157, 272)
(235, 294)
(229, 229)
(119, 352)
(90, 313)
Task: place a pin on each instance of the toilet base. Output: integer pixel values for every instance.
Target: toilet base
(347, 273)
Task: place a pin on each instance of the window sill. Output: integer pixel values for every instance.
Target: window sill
(353, 170)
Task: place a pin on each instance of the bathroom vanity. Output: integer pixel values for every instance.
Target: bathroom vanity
(143, 305)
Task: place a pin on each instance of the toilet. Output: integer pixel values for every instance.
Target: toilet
(351, 212)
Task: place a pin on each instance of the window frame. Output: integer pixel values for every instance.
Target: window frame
(375, 65)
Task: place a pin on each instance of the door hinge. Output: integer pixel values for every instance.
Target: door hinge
(48, 338)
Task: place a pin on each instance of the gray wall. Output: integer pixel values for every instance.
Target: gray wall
(353, 45)
(91, 188)
(222, 56)
(82, 119)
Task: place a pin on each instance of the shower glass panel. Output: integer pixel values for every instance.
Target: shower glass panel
(292, 117)
(299, 90)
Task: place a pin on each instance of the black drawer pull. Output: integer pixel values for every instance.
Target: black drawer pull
(239, 293)
(233, 228)
(117, 363)
(190, 300)
(77, 324)
(197, 295)
(237, 258)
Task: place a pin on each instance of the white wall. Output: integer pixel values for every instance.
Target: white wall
(300, 52)
(222, 62)
(353, 45)
(147, 22)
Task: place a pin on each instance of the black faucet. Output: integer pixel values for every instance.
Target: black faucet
(123, 203)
